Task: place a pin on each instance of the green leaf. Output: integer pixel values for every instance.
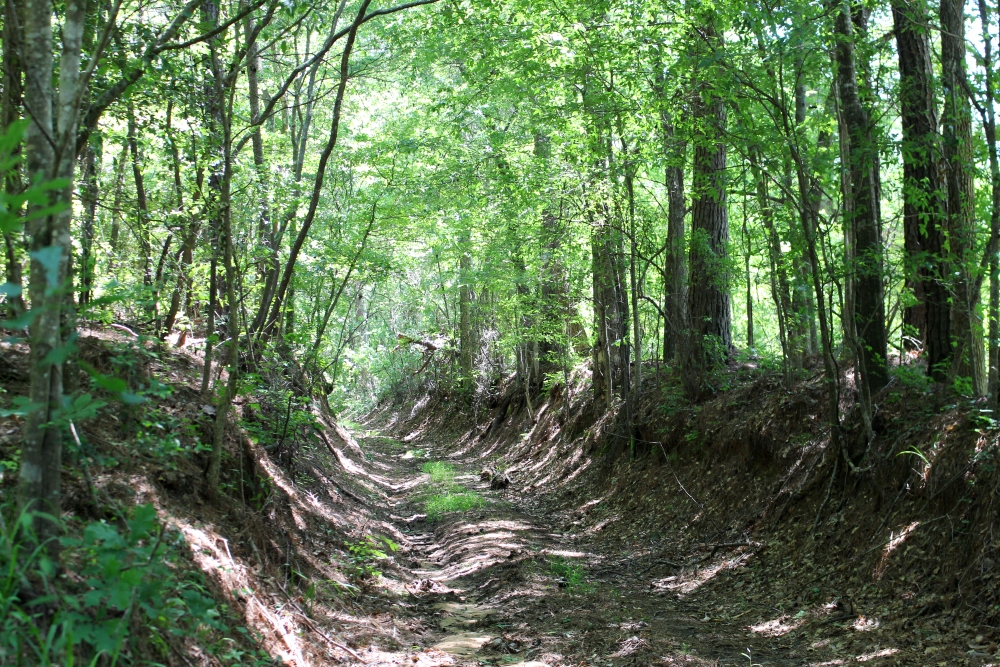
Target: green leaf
(51, 259)
(10, 290)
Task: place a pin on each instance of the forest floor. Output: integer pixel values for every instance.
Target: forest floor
(378, 542)
(523, 581)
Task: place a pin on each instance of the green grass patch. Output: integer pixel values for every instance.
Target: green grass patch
(442, 495)
(443, 503)
(440, 472)
(571, 573)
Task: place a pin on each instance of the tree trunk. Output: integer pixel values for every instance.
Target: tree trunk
(709, 336)
(286, 275)
(49, 147)
(923, 206)
(552, 291)
(990, 126)
(265, 233)
(466, 335)
(675, 274)
(863, 212)
(10, 112)
(88, 199)
(141, 202)
(610, 318)
(780, 291)
(966, 325)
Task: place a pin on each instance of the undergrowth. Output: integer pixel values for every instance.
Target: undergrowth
(442, 503)
(115, 580)
(445, 496)
(571, 574)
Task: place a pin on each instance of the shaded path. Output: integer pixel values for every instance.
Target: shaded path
(517, 583)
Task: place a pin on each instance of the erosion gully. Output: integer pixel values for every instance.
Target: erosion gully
(516, 582)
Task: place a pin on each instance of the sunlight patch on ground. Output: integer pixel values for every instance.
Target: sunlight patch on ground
(895, 540)
(210, 551)
(542, 464)
(598, 527)
(690, 581)
(420, 405)
(865, 624)
(562, 553)
(778, 626)
(578, 470)
(582, 509)
(884, 653)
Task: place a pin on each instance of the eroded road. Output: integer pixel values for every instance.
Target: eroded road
(515, 582)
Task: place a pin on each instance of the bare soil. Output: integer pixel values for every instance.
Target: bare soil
(719, 534)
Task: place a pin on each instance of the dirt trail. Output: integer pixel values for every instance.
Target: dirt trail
(517, 582)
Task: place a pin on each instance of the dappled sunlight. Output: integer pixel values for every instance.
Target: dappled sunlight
(563, 553)
(778, 626)
(896, 538)
(687, 582)
(866, 624)
(884, 653)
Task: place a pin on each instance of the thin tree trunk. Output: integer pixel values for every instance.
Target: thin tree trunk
(863, 215)
(286, 276)
(966, 325)
(633, 282)
(10, 112)
(466, 343)
(779, 275)
(88, 199)
(675, 276)
(141, 202)
(990, 126)
(49, 143)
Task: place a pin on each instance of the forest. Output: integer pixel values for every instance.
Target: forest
(527, 332)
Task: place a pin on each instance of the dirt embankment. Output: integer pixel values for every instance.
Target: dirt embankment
(739, 502)
(718, 533)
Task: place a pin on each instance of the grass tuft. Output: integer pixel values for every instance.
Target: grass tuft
(442, 503)
(440, 472)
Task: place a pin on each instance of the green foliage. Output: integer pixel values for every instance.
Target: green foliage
(365, 554)
(911, 377)
(439, 471)
(571, 574)
(123, 579)
(166, 437)
(446, 502)
(444, 495)
(963, 387)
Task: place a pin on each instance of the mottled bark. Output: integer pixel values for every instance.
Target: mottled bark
(709, 335)
(924, 215)
(92, 155)
(966, 324)
(49, 142)
(10, 112)
(862, 211)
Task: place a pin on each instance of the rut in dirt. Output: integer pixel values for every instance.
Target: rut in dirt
(517, 581)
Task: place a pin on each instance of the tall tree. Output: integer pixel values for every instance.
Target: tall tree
(956, 121)
(709, 335)
(923, 204)
(10, 112)
(862, 210)
(50, 143)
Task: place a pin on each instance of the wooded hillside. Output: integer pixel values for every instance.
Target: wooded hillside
(327, 205)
